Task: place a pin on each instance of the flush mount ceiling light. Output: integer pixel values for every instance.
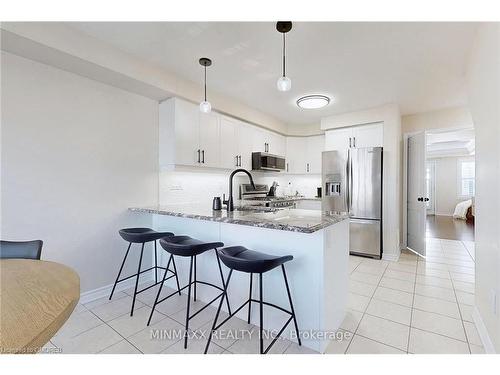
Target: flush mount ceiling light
(284, 83)
(313, 101)
(205, 106)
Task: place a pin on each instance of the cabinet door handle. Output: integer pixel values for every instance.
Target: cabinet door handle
(240, 160)
(307, 167)
(354, 141)
(198, 155)
(287, 167)
(203, 156)
(350, 145)
(236, 160)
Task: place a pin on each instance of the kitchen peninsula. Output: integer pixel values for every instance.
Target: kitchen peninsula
(318, 275)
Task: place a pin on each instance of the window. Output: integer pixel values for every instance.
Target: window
(467, 174)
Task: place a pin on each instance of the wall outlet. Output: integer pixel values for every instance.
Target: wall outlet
(493, 301)
(175, 187)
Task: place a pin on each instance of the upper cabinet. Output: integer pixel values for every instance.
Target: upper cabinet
(303, 154)
(187, 137)
(269, 142)
(341, 139)
(191, 138)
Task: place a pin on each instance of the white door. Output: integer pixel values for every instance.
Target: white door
(229, 157)
(209, 139)
(186, 133)
(276, 144)
(416, 193)
(315, 148)
(296, 155)
(371, 135)
(338, 139)
(260, 139)
(245, 144)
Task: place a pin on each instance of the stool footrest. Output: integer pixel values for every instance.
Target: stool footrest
(186, 286)
(146, 270)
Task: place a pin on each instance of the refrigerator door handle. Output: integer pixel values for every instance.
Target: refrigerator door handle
(347, 194)
(350, 184)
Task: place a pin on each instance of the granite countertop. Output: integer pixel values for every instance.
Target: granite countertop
(293, 220)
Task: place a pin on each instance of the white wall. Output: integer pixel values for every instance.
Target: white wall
(447, 192)
(200, 186)
(483, 79)
(388, 114)
(75, 154)
(448, 118)
(58, 44)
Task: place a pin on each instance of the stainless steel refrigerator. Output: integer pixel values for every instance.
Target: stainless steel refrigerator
(352, 183)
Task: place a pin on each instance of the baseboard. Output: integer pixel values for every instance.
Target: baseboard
(443, 214)
(483, 332)
(391, 257)
(105, 291)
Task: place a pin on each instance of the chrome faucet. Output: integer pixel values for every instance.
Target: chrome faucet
(229, 202)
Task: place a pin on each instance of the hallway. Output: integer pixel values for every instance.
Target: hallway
(445, 227)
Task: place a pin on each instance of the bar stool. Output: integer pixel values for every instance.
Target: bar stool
(186, 246)
(239, 258)
(142, 236)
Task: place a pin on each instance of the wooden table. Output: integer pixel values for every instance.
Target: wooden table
(36, 299)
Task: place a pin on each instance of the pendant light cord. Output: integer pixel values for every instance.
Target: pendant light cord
(284, 50)
(205, 83)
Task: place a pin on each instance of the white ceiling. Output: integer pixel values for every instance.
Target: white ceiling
(420, 66)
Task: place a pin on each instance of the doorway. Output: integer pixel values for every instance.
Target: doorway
(439, 187)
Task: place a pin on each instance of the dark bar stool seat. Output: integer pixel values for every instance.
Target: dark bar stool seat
(239, 258)
(143, 236)
(186, 246)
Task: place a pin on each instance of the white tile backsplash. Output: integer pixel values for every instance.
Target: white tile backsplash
(201, 186)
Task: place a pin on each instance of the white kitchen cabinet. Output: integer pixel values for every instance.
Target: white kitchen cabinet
(178, 133)
(314, 148)
(190, 138)
(187, 137)
(245, 141)
(371, 135)
(368, 135)
(303, 154)
(229, 143)
(269, 142)
(209, 139)
(276, 144)
(338, 139)
(295, 155)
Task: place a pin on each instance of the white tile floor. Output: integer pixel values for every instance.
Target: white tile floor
(414, 305)
(410, 306)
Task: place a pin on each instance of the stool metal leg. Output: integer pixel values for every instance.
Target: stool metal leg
(160, 288)
(223, 282)
(137, 279)
(119, 272)
(156, 265)
(291, 304)
(261, 308)
(195, 277)
(188, 303)
(218, 311)
(250, 299)
(176, 277)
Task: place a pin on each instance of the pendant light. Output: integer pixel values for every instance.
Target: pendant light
(205, 106)
(284, 83)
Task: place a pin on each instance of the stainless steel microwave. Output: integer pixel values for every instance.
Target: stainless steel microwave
(267, 162)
